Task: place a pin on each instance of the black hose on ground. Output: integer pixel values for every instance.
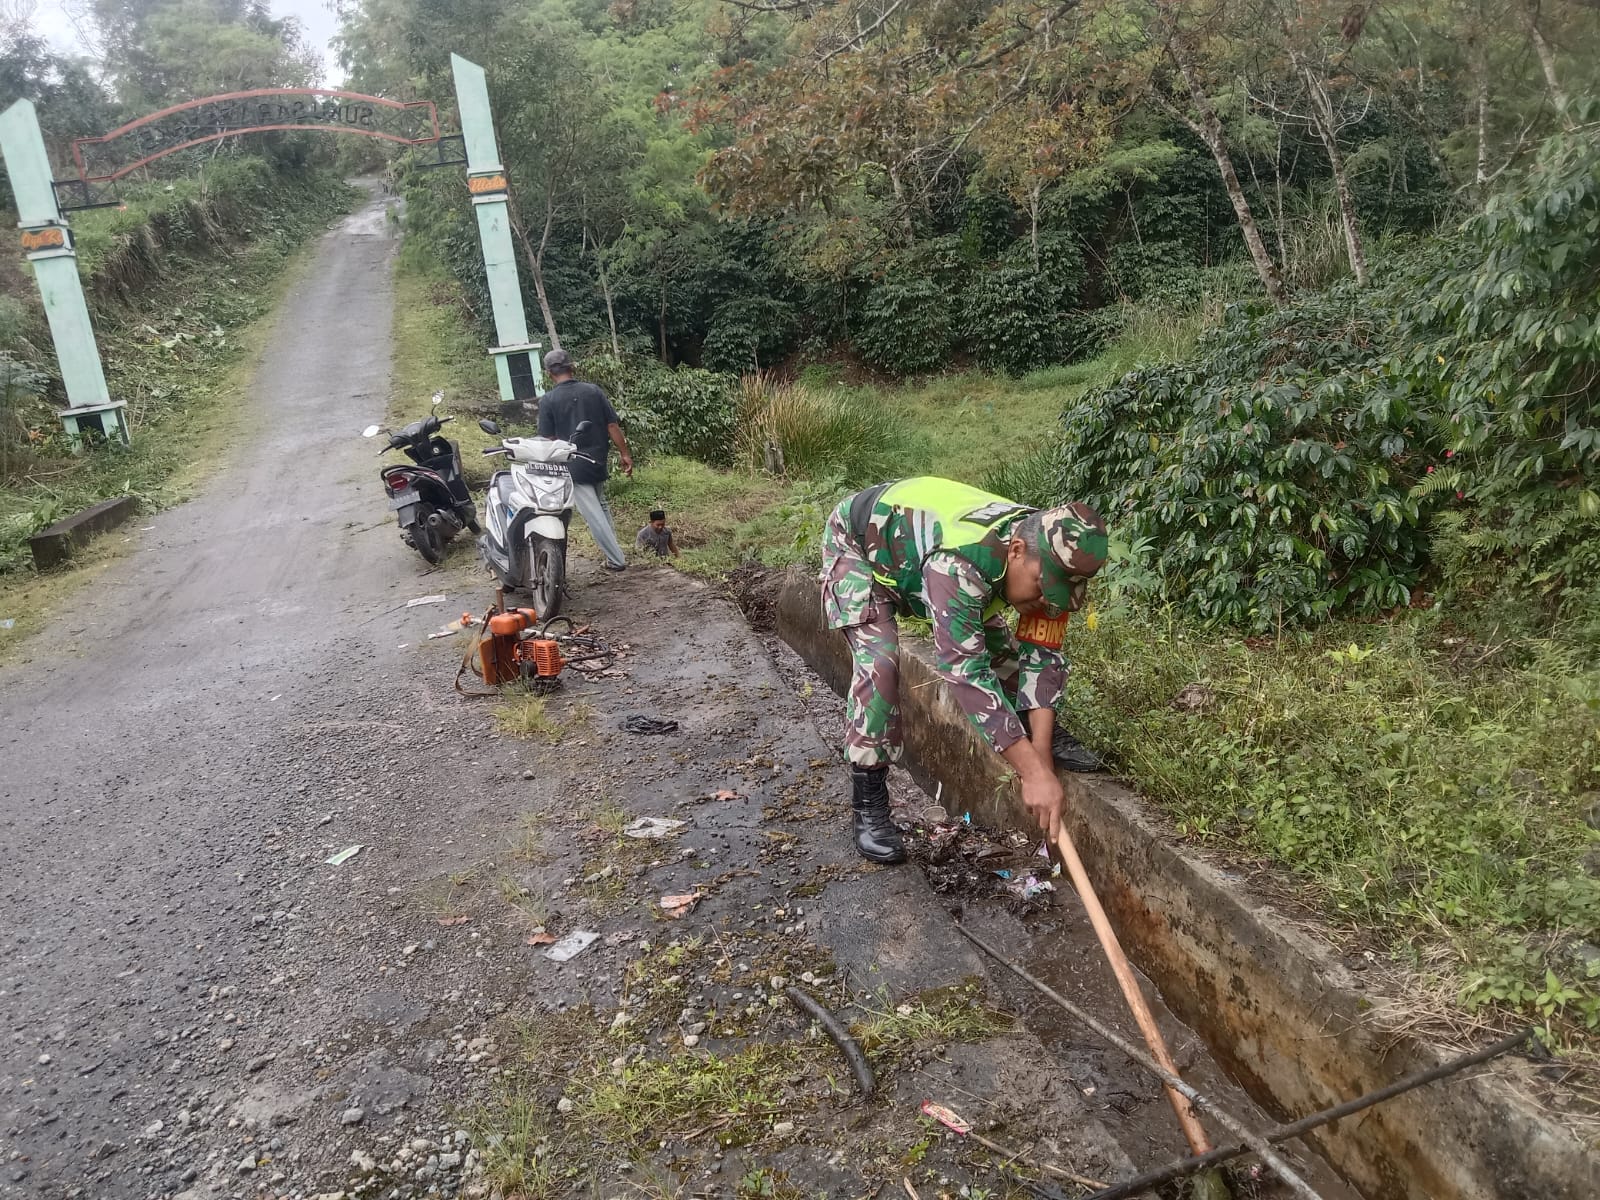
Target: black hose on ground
(835, 1029)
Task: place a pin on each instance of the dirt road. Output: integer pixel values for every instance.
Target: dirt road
(196, 1004)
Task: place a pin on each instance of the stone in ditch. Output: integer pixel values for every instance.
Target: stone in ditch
(352, 1116)
(783, 1129)
(565, 1105)
(247, 1164)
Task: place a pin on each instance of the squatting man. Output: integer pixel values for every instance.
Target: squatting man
(959, 557)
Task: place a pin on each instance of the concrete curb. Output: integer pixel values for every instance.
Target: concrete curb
(1275, 1005)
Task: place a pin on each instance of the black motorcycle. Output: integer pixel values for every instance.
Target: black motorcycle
(430, 499)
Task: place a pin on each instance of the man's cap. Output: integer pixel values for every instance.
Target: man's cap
(1072, 547)
(557, 360)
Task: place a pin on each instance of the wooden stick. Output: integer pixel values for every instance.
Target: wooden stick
(1193, 1133)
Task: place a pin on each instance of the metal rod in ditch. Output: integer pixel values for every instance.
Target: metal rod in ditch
(1193, 1133)
(1157, 1176)
(1285, 1172)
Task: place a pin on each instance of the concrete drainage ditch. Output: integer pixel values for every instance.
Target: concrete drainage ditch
(1277, 1009)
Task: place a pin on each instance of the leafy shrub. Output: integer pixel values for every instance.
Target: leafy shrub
(749, 333)
(1501, 351)
(669, 410)
(904, 327)
(1273, 484)
(1014, 322)
(802, 433)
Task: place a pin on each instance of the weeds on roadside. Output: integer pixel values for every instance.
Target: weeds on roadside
(527, 714)
(1443, 812)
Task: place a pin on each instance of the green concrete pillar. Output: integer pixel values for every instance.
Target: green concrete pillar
(48, 244)
(516, 360)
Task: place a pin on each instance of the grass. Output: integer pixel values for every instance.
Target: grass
(186, 377)
(1438, 809)
(527, 714)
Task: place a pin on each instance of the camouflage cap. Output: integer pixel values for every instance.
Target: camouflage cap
(1072, 547)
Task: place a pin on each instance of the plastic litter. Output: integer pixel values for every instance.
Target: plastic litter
(574, 944)
(680, 906)
(946, 1118)
(343, 856)
(8, 623)
(639, 723)
(426, 600)
(1029, 887)
(1003, 874)
(652, 827)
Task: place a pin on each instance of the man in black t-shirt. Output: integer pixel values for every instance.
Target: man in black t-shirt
(562, 409)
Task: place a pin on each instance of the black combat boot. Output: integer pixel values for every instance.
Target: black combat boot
(877, 837)
(1071, 754)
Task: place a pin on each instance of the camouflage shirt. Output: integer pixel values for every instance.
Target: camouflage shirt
(879, 545)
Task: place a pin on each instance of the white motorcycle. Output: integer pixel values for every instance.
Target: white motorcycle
(526, 514)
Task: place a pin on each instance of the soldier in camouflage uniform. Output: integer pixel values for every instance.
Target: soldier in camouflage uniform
(960, 557)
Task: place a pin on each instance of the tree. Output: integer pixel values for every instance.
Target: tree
(163, 52)
(1191, 104)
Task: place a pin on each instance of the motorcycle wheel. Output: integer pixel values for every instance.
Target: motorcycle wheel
(428, 540)
(549, 579)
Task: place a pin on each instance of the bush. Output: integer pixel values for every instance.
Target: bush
(801, 433)
(1015, 324)
(670, 410)
(1502, 354)
(904, 327)
(1271, 484)
(749, 334)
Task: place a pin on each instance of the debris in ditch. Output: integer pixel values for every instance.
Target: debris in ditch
(639, 723)
(458, 920)
(569, 947)
(652, 827)
(1030, 887)
(426, 600)
(680, 906)
(834, 1028)
(8, 623)
(945, 1117)
(539, 937)
(343, 856)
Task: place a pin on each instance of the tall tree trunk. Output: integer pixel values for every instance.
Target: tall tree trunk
(661, 323)
(1209, 130)
(1547, 61)
(535, 259)
(1480, 69)
(605, 291)
(900, 203)
(1327, 127)
(1033, 224)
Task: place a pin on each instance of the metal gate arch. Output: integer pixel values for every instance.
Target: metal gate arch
(46, 238)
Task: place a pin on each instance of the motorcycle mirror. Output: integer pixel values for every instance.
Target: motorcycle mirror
(438, 399)
(371, 431)
(489, 426)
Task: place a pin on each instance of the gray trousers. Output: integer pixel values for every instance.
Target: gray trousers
(590, 501)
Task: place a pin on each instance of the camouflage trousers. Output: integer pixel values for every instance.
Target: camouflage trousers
(863, 609)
